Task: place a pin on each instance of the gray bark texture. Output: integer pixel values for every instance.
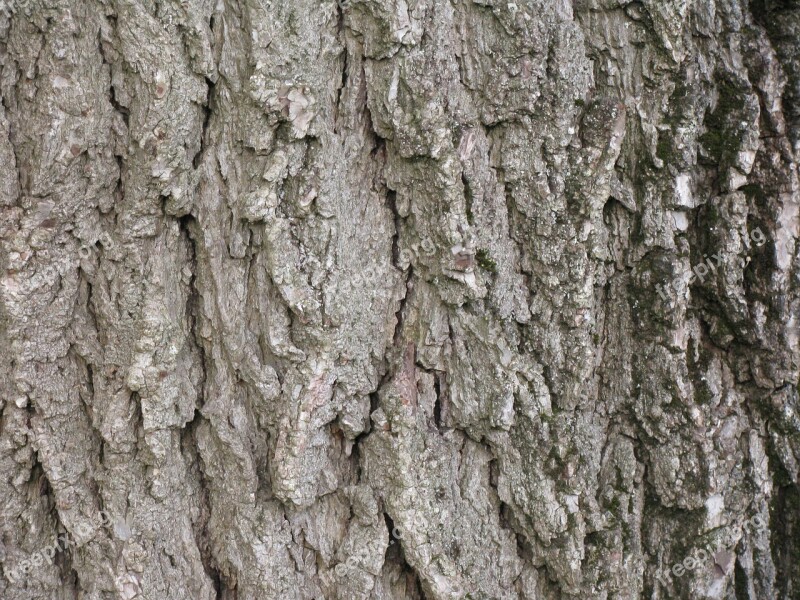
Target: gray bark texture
(399, 299)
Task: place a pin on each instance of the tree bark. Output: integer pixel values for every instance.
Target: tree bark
(399, 299)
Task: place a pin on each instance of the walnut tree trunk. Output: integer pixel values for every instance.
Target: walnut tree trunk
(399, 299)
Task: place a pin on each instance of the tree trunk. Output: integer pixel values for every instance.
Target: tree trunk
(399, 299)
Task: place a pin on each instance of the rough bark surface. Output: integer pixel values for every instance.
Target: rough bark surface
(395, 299)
